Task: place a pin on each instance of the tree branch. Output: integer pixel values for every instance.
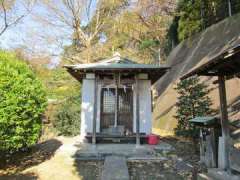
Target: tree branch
(8, 23)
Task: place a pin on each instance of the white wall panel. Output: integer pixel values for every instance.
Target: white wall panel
(145, 107)
(87, 106)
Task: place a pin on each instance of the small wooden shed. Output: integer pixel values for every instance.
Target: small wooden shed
(225, 65)
(209, 135)
(116, 97)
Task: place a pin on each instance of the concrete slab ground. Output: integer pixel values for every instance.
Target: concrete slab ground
(127, 150)
(115, 168)
(116, 156)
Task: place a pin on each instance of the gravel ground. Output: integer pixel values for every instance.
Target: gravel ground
(182, 163)
(153, 171)
(90, 170)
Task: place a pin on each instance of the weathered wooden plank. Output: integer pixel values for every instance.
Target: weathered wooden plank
(95, 111)
(116, 100)
(224, 121)
(137, 112)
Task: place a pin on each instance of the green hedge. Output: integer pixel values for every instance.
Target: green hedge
(22, 103)
(67, 118)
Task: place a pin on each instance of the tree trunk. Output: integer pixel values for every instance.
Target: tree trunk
(89, 51)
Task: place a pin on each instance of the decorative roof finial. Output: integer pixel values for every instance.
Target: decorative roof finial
(117, 56)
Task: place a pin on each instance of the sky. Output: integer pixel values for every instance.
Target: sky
(31, 34)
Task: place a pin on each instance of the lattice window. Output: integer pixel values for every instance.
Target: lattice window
(108, 100)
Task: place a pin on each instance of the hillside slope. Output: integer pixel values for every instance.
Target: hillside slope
(186, 56)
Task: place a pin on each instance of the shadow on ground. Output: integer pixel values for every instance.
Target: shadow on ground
(19, 177)
(22, 160)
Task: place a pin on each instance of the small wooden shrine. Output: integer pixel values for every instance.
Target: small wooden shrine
(116, 98)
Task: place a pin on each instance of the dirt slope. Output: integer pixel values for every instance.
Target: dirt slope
(184, 57)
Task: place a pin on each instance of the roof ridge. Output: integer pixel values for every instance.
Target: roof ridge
(117, 58)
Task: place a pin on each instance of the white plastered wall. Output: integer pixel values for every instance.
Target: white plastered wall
(98, 107)
(145, 109)
(88, 87)
(87, 106)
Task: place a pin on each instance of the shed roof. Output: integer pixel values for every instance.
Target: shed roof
(226, 62)
(205, 121)
(117, 64)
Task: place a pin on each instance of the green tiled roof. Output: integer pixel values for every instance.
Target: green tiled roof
(116, 62)
(99, 66)
(204, 121)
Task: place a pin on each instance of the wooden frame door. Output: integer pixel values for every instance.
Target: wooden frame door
(124, 108)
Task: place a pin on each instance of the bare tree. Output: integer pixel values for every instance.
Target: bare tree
(73, 17)
(10, 14)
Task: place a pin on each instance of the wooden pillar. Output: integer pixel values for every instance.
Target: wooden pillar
(202, 147)
(224, 121)
(213, 147)
(229, 8)
(137, 112)
(116, 100)
(94, 124)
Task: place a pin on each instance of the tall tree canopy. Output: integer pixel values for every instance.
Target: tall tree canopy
(193, 16)
(139, 31)
(82, 21)
(97, 28)
(193, 101)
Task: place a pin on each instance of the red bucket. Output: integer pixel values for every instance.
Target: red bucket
(153, 139)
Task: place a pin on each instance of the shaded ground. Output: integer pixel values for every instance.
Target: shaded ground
(51, 160)
(19, 177)
(54, 159)
(22, 160)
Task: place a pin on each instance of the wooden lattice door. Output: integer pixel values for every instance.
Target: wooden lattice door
(125, 108)
(107, 108)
